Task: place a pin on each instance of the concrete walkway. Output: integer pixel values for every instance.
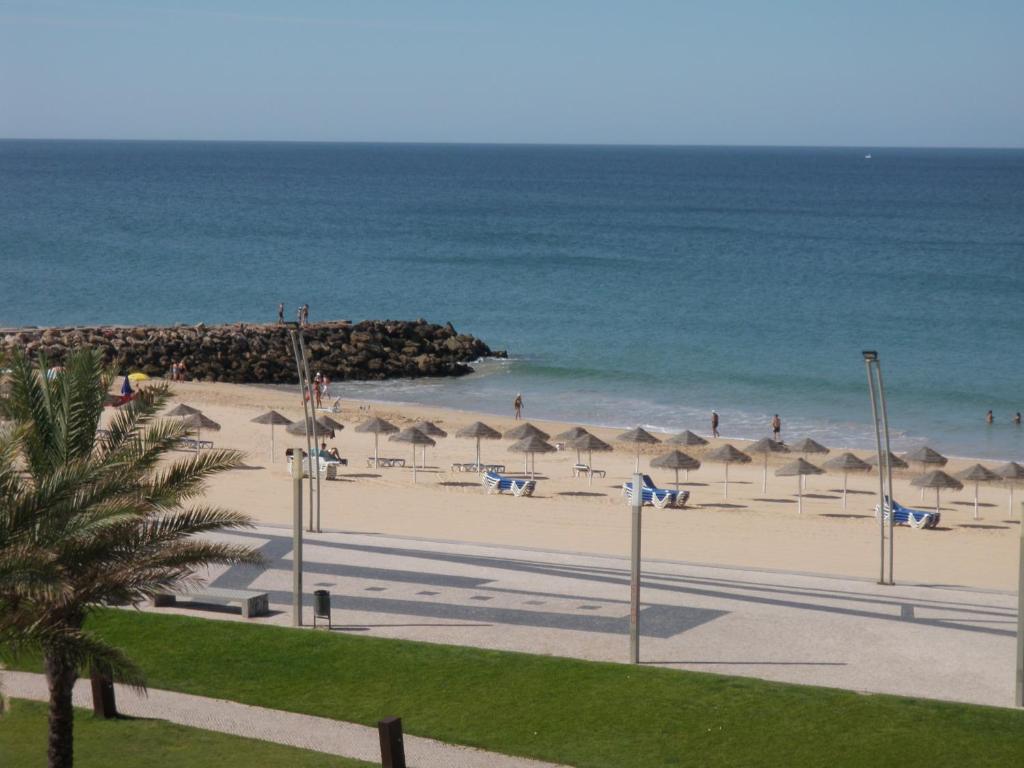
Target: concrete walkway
(305, 731)
(934, 641)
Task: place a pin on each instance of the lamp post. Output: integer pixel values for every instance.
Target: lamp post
(634, 579)
(880, 416)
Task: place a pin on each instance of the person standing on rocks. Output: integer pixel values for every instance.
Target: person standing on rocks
(714, 423)
(280, 313)
(517, 406)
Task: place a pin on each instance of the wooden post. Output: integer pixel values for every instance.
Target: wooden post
(103, 703)
(392, 748)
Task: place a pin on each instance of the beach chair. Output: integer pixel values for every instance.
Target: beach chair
(915, 518)
(495, 483)
(191, 444)
(660, 498)
(326, 469)
(585, 469)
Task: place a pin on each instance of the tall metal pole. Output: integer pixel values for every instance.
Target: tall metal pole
(1019, 690)
(870, 357)
(888, 466)
(304, 394)
(634, 579)
(296, 540)
(316, 443)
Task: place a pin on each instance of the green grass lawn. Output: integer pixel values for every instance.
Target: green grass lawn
(151, 743)
(563, 710)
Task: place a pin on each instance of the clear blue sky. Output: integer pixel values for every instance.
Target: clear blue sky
(821, 72)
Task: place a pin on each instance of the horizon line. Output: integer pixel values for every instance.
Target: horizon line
(624, 145)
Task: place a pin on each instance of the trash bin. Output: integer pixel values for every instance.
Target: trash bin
(322, 606)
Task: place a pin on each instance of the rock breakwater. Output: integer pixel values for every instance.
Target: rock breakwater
(262, 354)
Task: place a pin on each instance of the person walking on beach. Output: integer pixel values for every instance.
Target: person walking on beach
(776, 428)
(714, 423)
(280, 313)
(517, 406)
(318, 380)
(989, 418)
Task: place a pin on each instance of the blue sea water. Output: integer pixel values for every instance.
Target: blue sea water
(629, 284)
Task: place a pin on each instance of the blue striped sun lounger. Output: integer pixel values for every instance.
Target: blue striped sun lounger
(915, 518)
(495, 483)
(656, 497)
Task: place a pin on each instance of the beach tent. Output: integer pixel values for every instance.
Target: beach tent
(676, 460)
(414, 437)
(766, 446)
(1011, 474)
(378, 427)
(590, 443)
(479, 431)
(727, 454)
(138, 376)
(846, 463)
(799, 469)
(977, 474)
(272, 418)
(938, 480)
(531, 446)
(638, 436)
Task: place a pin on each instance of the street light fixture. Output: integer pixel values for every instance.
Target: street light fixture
(880, 415)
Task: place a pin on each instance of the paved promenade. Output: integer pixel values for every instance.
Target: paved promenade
(931, 641)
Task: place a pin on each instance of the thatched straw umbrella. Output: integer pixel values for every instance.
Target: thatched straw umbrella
(799, 469)
(531, 446)
(1011, 473)
(846, 463)
(590, 443)
(571, 435)
(526, 430)
(806, 447)
(638, 436)
(977, 474)
(687, 439)
(324, 427)
(727, 454)
(414, 437)
(927, 458)
(894, 461)
(480, 431)
(182, 410)
(766, 446)
(378, 427)
(199, 422)
(675, 460)
(430, 429)
(272, 418)
(938, 480)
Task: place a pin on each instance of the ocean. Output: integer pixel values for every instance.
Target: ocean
(630, 285)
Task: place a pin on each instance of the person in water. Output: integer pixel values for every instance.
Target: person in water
(714, 423)
(777, 428)
(988, 417)
(517, 406)
(1016, 419)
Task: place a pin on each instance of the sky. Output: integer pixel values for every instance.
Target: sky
(725, 72)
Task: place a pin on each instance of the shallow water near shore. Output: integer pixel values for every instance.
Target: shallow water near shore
(630, 285)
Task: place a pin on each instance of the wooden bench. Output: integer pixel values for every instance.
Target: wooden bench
(252, 603)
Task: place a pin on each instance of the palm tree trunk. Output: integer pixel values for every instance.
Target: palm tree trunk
(60, 677)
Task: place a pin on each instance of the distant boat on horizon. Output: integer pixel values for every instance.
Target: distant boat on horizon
(867, 157)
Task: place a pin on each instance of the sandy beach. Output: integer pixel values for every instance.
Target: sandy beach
(750, 528)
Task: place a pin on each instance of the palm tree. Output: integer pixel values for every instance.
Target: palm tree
(87, 521)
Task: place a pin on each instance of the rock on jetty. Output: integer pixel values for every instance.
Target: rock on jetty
(262, 354)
